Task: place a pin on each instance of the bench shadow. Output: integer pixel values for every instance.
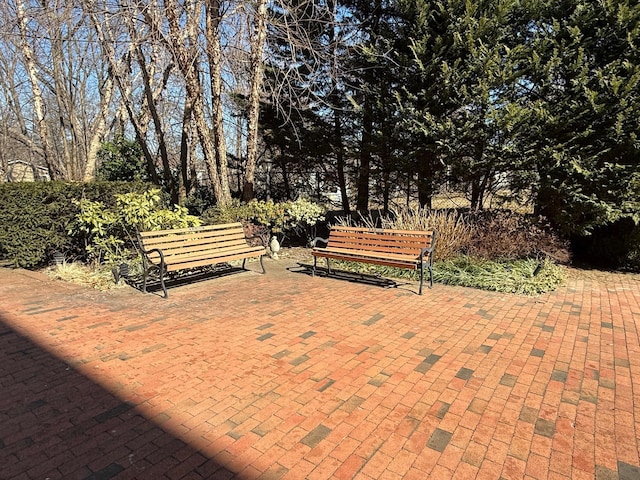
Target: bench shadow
(184, 278)
(362, 278)
(56, 422)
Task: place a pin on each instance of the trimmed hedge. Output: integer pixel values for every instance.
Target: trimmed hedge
(35, 217)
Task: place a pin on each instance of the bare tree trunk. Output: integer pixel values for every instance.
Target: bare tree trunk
(365, 157)
(55, 170)
(105, 37)
(337, 118)
(65, 110)
(187, 62)
(214, 54)
(185, 183)
(157, 124)
(99, 130)
(342, 181)
(426, 172)
(257, 71)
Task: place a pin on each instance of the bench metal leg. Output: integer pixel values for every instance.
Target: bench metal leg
(328, 267)
(421, 278)
(164, 287)
(145, 274)
(313, 269)
(244, 261)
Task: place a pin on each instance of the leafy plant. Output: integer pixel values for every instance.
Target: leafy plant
(109, 233)
(303, 217)
(527, 276)
(280, 218)
(121, 159)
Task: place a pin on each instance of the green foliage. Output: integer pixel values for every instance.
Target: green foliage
(584, 72)
(488, 235)
(528, 277)
(303, 216)
(36, 216)
(121, 160)
(285, 218)
(109, 232)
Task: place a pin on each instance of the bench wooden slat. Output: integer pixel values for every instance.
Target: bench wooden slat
(189, 237)
(169, 252)
(382, 249)
(196, 242)
(200, 254)
(366, 253)
(377, 261)
(383, 231)
(203, 228)
(372, 234)
(194, 262)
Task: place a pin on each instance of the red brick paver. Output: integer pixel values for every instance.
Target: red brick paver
(284, 376)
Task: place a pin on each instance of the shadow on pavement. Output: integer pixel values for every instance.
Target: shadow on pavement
(362, 278)
(57, 423)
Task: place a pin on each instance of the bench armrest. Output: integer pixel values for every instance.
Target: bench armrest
(147, 252)
(319, 239)
(429, 250)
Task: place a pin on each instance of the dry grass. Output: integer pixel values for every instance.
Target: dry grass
(454, 233)
(99, 278)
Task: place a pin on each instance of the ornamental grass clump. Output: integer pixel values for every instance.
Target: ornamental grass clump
(524, 276)
(454, 232)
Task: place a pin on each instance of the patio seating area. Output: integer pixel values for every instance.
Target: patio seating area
(290, 380)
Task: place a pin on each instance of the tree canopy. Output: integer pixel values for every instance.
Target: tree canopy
(381, 102)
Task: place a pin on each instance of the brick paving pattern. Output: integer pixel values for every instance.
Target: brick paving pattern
(285, 376)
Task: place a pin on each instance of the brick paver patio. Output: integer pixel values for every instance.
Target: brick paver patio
(287, 376)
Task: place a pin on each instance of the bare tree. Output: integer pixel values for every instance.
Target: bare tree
(70, 90)
(256, 46)
(55, 169)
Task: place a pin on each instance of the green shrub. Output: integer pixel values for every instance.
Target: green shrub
(221, 214)
(526, 276)
(35, 217)
(493, 250)
(121, 160)
(282, 218)
(109, 233)
(489, 235)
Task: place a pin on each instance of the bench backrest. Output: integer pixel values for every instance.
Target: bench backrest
(193, 239)
(406, 242)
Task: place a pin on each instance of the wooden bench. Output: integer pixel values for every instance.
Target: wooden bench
(195, 247)
(394, 248)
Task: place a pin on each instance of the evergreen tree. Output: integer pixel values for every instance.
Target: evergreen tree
(583, 91)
